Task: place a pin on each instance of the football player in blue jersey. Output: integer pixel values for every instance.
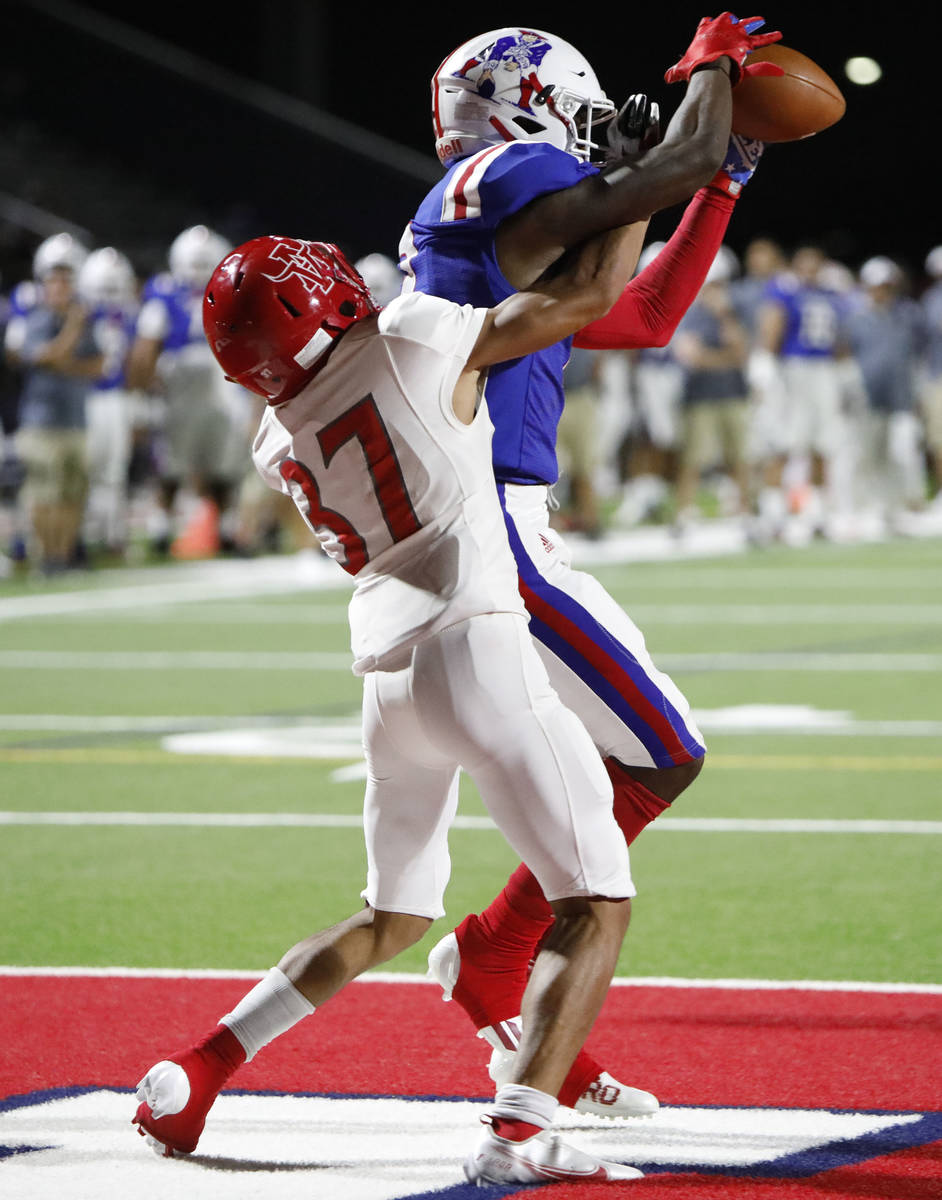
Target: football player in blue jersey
(205, 423)
(801, 329)
(524, 184)
(108, 285)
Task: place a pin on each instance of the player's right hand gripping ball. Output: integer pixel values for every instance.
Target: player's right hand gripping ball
(725, 35)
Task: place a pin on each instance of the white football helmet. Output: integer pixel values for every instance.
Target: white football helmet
(107, 278)
(381, 276)
(516, 85)
(195, 253)
(934, 262)
(648, 255)
(880, 271)
(59, 250)
(724, 267)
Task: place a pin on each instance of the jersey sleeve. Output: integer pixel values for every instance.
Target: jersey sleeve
(153, 321)
(431, 337)
(439, 325)
(492, 185)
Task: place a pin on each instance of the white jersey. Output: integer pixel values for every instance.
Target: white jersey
(395, 487)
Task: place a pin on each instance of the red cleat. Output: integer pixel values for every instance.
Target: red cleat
(176, 1094)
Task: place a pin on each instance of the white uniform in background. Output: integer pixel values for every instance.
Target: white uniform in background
(402, 494)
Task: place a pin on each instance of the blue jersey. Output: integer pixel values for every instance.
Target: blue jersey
(448, 250)
(813, 318)
(113, 330)
(181, 322)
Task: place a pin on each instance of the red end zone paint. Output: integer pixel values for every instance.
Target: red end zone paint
(714, 1047)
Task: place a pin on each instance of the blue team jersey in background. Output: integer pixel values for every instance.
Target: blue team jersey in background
(184, 306)
(813, 318)
(448, 249)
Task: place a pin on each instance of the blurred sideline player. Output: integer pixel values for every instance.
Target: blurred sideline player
(204, 424)
(377, 428)
(382, 276)
(58, 249)
(886, 335)
(800, 329)
(930, 390)
(52, 344)
(654, 434)
(107, 284)
(518, 191)
(712, 345)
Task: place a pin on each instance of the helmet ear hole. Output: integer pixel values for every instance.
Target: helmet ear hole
(528, 125)
(347, 309)
(289, 306)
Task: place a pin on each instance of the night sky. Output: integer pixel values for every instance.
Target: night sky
(860, 188)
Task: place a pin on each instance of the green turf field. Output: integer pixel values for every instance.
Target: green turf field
(836, 650)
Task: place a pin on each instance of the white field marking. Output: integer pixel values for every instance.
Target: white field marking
(276, 613)
(309, 571)
(235, 820)
(185, 584)
(301, 734)
(345, 728)
(787, 614)
(260, 1146)
(174, 660)
(291, 660)
(413, 977)
(800, 661)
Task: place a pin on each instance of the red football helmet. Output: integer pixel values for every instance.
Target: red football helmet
(275, 307)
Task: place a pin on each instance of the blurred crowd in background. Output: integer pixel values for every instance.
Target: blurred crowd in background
(798, 399)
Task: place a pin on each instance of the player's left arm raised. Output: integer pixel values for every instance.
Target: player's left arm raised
(584, 287)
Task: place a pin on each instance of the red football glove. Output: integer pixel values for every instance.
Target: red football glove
(725, 35)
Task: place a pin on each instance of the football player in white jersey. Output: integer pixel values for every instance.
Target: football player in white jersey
(377, 427)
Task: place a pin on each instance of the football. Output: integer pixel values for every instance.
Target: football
(784, 108)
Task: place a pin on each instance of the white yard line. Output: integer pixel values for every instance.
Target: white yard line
(173, 660)
(303, 614)
(738, 719)
(311, 571)
(411, 977)
(354, 821)
(263, 660)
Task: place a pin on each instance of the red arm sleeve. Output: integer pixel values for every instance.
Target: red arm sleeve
(652, 305)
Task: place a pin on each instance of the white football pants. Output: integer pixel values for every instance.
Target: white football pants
(477, 696)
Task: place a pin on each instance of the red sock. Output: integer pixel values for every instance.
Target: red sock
(583, 1072)
(514, 1131)
(635, 805)
(497, 947)
(220, 1051)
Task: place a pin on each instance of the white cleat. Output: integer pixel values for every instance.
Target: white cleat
(542, 1158)
(444, 963)
(604, 1097)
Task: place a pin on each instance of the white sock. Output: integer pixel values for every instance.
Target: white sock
(271, 1008)
(517, 1102)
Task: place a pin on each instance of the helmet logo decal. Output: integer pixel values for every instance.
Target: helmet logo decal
(522, 53)
(298, 261)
